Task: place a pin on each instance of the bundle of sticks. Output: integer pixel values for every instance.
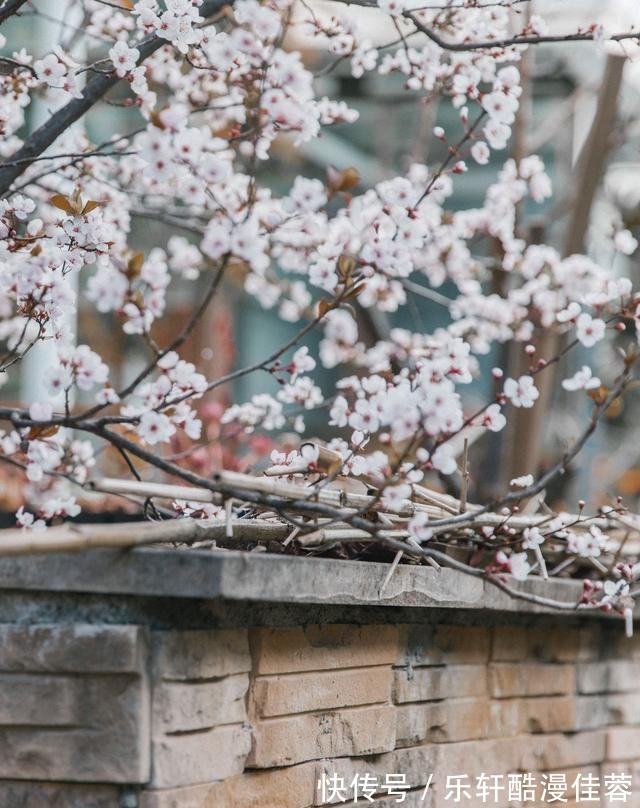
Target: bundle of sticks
(313, 515)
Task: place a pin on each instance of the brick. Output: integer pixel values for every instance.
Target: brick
(516, 643)
(291, 787)
(494, 756)
(520, 643)
(530, 679)
(424, 684)
(40, 699)
(558, 751)
(18, 794)
(619, 646)
(623, 743)
(295, 739)
(416, 763)
(184, 706)
(412, 799)
(91, 727)
(195, 655)
(436, 645)
(616, 676)
(184, 797)
(592, 712)
(322, 648)
(451, 720)
(628, 768)
(78, 648)
(199, 757)
(623, 709)
(320, 690)
(592, 677)
(532, 715)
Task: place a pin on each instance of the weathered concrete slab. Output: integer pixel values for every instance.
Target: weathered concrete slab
(74, 704)
(253, 577)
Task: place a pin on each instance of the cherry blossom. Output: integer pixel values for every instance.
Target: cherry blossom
(521, 392)
(50, 70)
(519, 566)
(589, 544)
(589, 330)
(532, 538)
(154, 427)
(522, 482)
(418, 527)
(583, 379)
(124, 58)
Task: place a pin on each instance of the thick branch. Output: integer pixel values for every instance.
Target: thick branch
(9, 8)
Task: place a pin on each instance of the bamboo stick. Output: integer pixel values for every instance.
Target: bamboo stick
(132, 534)
(440, 505)
(326, 535)
(109, 485)
(294, 491)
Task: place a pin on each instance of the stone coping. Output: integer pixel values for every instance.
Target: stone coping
(269, 578)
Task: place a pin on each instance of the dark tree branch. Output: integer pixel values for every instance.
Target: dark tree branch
(60, 121)
(9, 8)
(532, 39)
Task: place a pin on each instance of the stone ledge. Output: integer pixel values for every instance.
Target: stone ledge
(266, 578)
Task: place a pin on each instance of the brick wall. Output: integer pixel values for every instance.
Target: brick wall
(104, 716)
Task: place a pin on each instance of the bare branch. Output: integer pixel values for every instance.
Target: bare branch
(490, 44)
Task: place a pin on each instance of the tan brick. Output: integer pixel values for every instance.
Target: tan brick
(629, 768)
(557, 751)
(322, 648)
(320, 690)
(516, 643)
(355, 731)
(532, 715)
(451, 720)
(530, 679)
(183, 706)
(424, 684)
(520, 643)
(571, 645)
(412, 799)
(200, 654)
(436, 645)
(623, 743)
(495, 756)
(416, 763)
(291, 787)
(199, 757)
